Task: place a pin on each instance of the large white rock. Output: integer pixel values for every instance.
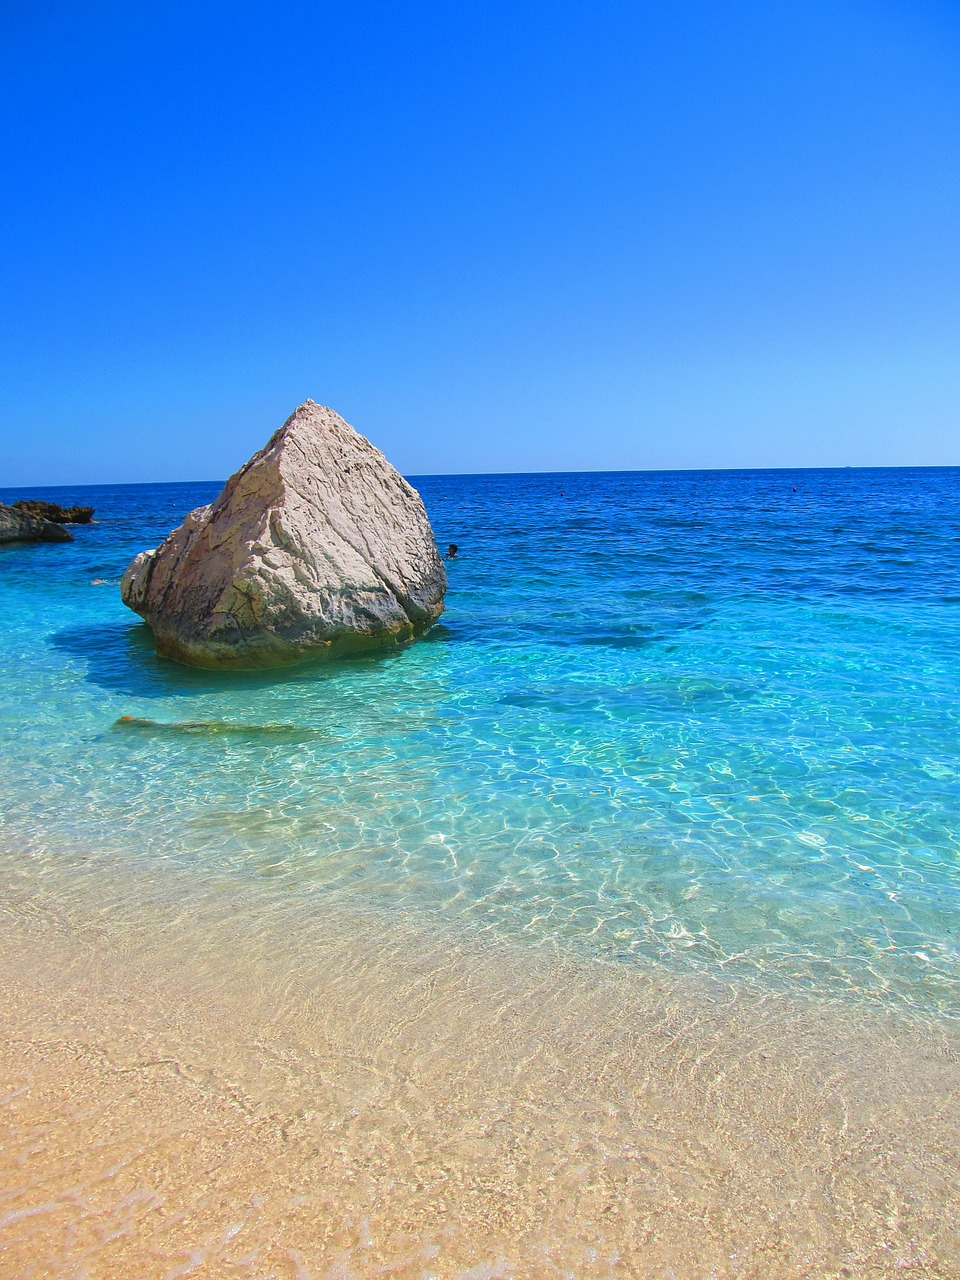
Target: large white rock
(316, 546)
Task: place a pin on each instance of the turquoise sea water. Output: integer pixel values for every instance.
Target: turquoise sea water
(708, 721)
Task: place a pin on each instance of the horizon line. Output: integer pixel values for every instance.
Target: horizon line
(462, 475)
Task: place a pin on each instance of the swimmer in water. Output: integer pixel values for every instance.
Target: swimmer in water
(452, 551)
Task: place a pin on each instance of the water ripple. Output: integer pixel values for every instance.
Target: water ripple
(696, 720)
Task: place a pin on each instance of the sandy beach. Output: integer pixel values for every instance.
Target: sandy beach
(204, 1087)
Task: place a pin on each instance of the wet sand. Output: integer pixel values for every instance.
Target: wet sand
(237, 1084)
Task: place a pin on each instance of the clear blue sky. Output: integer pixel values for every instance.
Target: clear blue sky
(494, 236)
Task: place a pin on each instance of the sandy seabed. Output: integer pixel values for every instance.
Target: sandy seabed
(228, 1084)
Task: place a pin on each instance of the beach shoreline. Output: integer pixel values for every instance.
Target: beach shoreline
(232, 1085)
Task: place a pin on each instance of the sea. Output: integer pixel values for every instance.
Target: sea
(694, 734)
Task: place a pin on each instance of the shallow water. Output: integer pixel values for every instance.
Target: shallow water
(703, 720)
(610, 929)
(217, 1084)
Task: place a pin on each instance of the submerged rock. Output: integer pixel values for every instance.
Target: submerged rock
(53, 511)
(20, 526)
(137, 724)
(316, 546)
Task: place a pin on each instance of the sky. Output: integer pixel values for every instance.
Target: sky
(494, 236)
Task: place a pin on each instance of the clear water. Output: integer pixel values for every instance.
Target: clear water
(708, 721)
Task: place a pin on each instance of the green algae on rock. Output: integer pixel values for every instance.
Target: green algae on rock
(317, 546)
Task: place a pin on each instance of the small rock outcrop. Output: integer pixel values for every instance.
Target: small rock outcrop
(317, 546)
(53, 511)
(20, 526)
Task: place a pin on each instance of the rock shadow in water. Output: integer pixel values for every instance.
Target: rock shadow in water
(120, 657)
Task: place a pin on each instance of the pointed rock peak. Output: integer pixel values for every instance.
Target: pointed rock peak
(317, 417)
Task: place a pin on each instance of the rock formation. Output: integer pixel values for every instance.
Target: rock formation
(20, 526)
(53, 511)
(316, 546)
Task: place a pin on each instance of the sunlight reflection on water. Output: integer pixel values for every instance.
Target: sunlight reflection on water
(696, 720)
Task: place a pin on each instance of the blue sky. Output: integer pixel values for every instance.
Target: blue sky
(494, 236)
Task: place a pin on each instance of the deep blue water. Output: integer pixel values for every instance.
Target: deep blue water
(708, 720)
